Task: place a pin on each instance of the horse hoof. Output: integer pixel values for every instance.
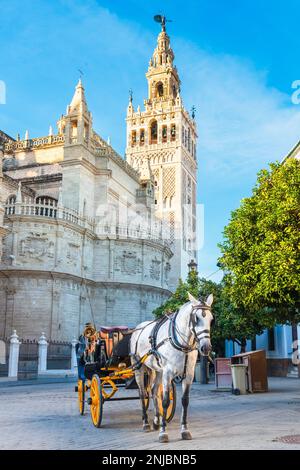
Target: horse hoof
(146, 427)
(163, 438)
(155, 426)
(186, 435)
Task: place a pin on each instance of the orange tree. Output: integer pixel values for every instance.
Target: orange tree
(261, 249)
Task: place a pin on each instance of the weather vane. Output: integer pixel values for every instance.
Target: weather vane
(193, 110)
(130, 95)
(80, 73)
(162, 20)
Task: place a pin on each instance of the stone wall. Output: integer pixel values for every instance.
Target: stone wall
(60, 305)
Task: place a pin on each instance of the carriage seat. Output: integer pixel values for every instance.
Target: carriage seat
(114, 329)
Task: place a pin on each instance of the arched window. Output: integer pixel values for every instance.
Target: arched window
(133, 138)
(153, 132)
(10, 205)
(46, 206)
(142, 136)
(160, 90)
(164, 134)
(173, 132)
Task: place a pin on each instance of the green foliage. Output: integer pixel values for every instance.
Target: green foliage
(180, 296)
(260, 252)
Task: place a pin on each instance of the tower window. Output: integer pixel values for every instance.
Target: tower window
(173, 132)
(74, 129)
(142, 136)
(133, 138)
(160, 90)
(153, 132)
(164, 134)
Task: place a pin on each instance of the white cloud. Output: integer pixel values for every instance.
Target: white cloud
(242, 122)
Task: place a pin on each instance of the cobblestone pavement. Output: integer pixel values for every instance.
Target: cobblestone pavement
(45, 416)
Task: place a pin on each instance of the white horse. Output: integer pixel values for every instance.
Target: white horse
(174, 352)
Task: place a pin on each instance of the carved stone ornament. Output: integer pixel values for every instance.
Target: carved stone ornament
(36, 246)
(128, 263)
(155, 269)
(73, 254)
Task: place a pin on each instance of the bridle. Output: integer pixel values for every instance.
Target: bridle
(198, 336)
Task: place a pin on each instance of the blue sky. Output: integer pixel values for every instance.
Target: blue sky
(236, 59)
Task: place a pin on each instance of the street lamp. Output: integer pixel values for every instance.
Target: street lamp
(192, 265)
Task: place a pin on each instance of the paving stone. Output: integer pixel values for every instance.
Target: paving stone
(45, 416)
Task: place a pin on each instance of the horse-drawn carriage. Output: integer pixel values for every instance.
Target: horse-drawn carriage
(153, 354)
(104, 367)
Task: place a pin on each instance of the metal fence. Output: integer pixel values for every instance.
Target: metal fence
(59, 355)
(28, 360)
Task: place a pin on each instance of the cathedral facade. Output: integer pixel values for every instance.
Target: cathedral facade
(86, 236)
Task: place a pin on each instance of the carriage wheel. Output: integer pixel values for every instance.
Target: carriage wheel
(172, 407)
(81, 395)
(96, 401)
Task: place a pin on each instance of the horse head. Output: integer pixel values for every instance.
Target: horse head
(200, 322)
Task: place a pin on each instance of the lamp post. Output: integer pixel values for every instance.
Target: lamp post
(192, 265)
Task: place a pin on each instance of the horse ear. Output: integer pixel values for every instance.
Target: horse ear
(192, 299)
(209, 300)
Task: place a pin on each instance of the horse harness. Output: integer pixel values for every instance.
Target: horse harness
(173, 335)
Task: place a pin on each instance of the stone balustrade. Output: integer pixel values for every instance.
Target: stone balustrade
(30, 209)
(33, 143)
(138, 232)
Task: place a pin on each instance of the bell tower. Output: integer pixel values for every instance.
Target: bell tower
(165, 135)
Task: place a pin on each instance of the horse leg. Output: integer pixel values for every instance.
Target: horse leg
(154, 391)
(186, 385)
(163, 435)
(140, 380)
